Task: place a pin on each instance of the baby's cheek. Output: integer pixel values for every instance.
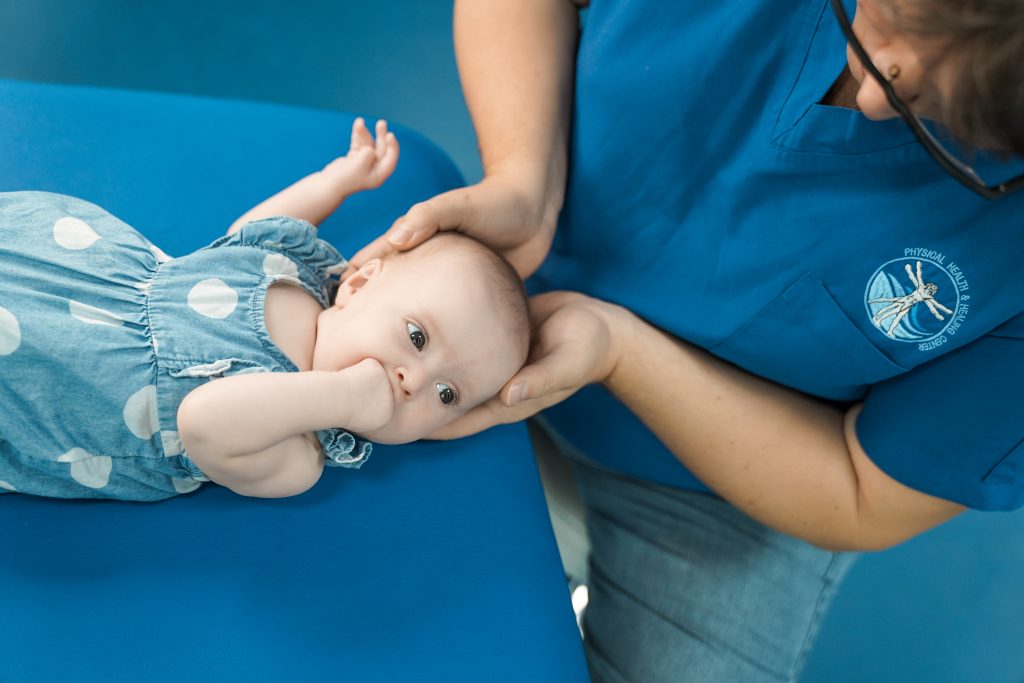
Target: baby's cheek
(411, 423)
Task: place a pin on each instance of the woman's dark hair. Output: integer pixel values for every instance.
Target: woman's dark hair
(984, 43)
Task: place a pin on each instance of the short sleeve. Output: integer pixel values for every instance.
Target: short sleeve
(342, 449)
(296, 251)
(954, 427)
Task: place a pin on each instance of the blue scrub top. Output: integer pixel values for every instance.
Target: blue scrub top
(711, 194)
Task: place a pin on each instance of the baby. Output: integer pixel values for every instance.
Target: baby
(127, 374)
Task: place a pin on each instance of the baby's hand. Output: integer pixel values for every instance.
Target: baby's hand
(369, 162)
(373, 400)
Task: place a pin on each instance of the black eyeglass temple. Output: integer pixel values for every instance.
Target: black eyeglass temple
(936, 151)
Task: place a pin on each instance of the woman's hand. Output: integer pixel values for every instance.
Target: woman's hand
(498, 211)
(577, 341)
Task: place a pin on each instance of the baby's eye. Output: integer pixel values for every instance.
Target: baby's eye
(416, 335)
(446, 393)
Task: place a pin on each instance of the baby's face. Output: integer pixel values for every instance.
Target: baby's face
(438, 335)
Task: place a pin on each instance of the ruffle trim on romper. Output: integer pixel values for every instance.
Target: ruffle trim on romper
(342, 449)
(317, 261)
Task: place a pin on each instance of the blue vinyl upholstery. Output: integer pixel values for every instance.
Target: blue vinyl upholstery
(435, 562)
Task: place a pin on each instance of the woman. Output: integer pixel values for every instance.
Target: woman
(764, 276)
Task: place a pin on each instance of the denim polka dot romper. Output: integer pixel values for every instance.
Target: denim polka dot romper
(102, 336)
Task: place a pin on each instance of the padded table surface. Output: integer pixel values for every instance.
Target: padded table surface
(434, 562)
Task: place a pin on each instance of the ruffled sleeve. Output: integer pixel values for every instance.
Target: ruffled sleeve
(309, 259)
(342, 449)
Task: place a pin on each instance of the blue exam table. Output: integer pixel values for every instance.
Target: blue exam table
(435, 562)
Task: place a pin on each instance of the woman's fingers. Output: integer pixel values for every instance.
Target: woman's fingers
(559, 372)
(496, 212)
(451, 210)
(572, 348)
(378, 248)
(443, 212)
(478, 419)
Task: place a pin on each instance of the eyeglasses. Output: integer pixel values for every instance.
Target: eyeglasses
(949, 163)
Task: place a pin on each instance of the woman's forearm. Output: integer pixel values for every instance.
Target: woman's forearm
(516, 63)
(784, 458)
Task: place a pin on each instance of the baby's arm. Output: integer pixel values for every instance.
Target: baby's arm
(367, 164)
(254, 433)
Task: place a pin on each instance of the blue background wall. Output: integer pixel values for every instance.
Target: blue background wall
(944, 607)
(388, 58)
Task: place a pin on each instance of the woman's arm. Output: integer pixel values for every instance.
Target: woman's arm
(254, 433)
(786, 459)
(516, 63)
(313, 198)
(790, 461)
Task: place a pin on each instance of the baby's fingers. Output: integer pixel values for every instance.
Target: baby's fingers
(387, 160)
(381, 134)
(360, 134)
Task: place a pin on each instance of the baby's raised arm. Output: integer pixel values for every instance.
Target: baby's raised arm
(367, 165)
(255, 433)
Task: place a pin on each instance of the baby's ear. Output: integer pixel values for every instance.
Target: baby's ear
(356, 281)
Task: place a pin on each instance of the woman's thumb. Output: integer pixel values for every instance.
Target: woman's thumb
(532, 382)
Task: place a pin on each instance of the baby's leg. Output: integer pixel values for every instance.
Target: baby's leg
(368, 163)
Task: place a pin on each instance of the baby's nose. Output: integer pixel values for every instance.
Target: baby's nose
(408, 381)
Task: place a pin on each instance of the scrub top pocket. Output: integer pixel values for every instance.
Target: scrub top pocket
(836, 360)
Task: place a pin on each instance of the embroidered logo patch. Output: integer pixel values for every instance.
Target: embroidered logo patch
(919, 298)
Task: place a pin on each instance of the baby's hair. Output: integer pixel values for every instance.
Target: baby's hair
(500, 273)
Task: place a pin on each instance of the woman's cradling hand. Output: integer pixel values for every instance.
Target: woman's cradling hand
(576, 341)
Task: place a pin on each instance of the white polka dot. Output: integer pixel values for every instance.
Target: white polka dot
(161, 257)
(140, 412)
(74, 233)
(213, 298)
(92, 315)
(279, 264)
(186, 485)
(10, 332)
(172, 442)
(88, 469)
(5, 486)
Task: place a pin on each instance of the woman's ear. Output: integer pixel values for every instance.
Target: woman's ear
(357, 280)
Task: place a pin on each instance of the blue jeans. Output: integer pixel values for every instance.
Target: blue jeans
(683, 586)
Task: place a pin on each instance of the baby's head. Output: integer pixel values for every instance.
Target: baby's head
(447, 321)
